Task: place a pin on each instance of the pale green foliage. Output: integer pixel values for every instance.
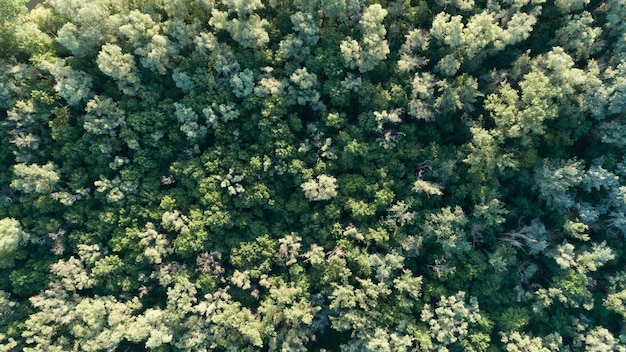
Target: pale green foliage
(472, 39)
(597, 177)
(520, 342)
(220, 112)
(615, 18)
(555, 179)
(25, 142)
(323, 187)
(448, 65)
(409, 288)
(385, 266)
(576, 229)
(138, 28)
(485, 157)
(449, 322)
(293, 47)
(175, 221)
(88, 324)
(585, 261)
(75, 273)
(427, 187)
(417, 41)
(572, 286)
(465, 5)
(578, 37)
(518, 28)
(242, 83)
(269, 85)
(67, 36)
(351, 82)
(136, 91)
(35, 178)
(490, 213)
(180, 33)
(304, 88)
(552, 87)
(176, 8)
(103, 116)
(183, 81)
(227, 323)
(246, 29)
(351, 51)
(373, 47)
(565, 256)
(341, 10)
(457, 95)
(289, 311)
(511, 122)
(100, 323)
(307, 35)
(32, 40)
(189, 125)
(447, 228)
(12, 237)
(616, 299)
(243, 7)
(571, 5)
(11, 9)
(206, 43)
(155, 56)
(399, 215)
(72, 85)
(155, 245)
(422, 96)
(599, 339)
(115, 189)
(613, 132)
(618, 96)
(120, 67)
(290, 248)
(355, 308)
(304, 26)
(25, 114)
(480, 31)
(231, 182)
(315, 255)
(616, 302)
(448, 29)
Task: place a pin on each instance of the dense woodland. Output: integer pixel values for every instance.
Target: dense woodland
(324, 175)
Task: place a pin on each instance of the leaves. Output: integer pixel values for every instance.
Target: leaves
(312, 175)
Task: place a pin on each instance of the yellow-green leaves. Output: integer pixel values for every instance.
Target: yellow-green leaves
(12, 236)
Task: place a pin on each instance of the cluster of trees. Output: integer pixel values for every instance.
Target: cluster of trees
(342, 175)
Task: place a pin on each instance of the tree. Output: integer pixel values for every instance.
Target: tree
(120, 67)
(450, 321)
(312, 175)
(372, 48)
(323, 187)
(12, 237)
(35, 178)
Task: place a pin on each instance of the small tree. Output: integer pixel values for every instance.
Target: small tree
(323, 187)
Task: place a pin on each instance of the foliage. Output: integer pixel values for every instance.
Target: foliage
(339, 175)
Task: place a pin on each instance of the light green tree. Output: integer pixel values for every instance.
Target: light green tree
(35, 178)
(373, 47)
(323, 187)
(12, 237)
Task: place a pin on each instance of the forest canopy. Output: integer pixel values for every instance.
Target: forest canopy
(328, 175)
